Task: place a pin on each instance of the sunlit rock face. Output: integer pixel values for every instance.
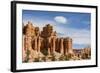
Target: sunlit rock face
(45, 45)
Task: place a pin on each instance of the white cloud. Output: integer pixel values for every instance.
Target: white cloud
(60, 19)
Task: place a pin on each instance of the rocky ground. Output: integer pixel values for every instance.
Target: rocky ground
(39, 57)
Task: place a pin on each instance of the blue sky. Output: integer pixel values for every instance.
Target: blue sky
(67, 24)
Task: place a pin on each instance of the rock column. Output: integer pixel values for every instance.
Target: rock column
(35, 46)
(61, 46)
(39, 43)
(49, 45)
(70, 46)
(23, 50)
(53, 44)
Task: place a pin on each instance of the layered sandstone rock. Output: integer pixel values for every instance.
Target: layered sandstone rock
(44, 43)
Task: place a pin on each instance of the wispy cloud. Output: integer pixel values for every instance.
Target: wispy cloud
(60, 34)
(79, 36)
(86, 22)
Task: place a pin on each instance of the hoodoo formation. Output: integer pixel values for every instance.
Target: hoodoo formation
(45, 45)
